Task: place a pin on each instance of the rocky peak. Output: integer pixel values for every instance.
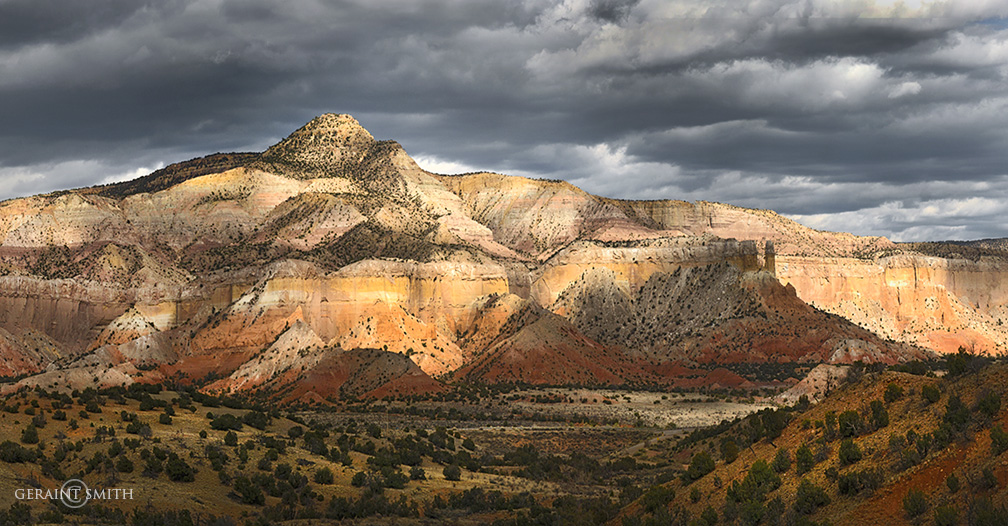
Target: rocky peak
(327, 141)
(336, 127)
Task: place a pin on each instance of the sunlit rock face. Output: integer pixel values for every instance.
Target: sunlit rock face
(315, 259)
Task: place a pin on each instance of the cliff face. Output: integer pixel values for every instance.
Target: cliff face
(940, 303)
(241, 268)
(937, 303)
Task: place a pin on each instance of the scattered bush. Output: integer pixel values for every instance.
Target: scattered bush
(914, 503)
(957, 415)
(849, 452)
(729, 450)
(452, 472)
(930, 393)
(124, 465)
(989, 404)
(658, 497)
(256, 419)
(12, 453)
(701, 465)
(893, 392)
(952, 481)
(226, 422)
(987, 479)
(782, 461)
(29, 435)
(855, 482)
(879, 415)
(323, 476)
(178, 470)
(946, 515)
(999, 440)
(248, 492)
(809, 498)
(849, 423)
(804, 461)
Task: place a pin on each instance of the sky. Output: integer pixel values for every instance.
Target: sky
(872, 117)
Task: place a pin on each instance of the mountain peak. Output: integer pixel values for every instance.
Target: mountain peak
(325, 141)
(340, 125)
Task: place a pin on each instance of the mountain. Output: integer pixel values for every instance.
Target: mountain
(332, 255)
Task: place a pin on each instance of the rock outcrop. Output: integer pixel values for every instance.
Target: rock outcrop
(333, 252)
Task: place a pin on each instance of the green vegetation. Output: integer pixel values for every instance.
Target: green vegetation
(915, 503)
(404, 457)
(810, 497)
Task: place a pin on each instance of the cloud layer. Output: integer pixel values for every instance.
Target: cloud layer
(873, 117)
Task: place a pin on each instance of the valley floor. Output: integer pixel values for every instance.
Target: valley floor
(885, 447)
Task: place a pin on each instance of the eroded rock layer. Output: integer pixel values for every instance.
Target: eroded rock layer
(333, 259)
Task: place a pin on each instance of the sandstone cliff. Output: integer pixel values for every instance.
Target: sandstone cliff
(242, 269)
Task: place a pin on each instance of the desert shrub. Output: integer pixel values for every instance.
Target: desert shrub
(987, 479)
(729, 450)
(256, 419)
(178, 470)
(855, 482)
(709, 516)
(983, 512)
(957, 415)
(19, 513)
(989, 404)
(849, 452)
(29, 435)
(701, 465)
(13, 453)
(930, 393)
(999, 439)
(946, 515)
(893, 392)
(452, 472)
(759, 481)
(124, 465)
(809, 498)
(830, 423)
(782, 461)
(152, 466)
(952, 481)
(248, 492)
(226, 422)
(230, 439)
(879, 415)
(849, 423)
(914, 503)
(323, 475)
(804, 461)
(658, 497)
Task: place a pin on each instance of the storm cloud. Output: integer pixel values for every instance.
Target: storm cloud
(878, 117)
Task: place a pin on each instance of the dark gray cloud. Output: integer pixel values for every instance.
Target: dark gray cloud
(880, 118)
(611, 10)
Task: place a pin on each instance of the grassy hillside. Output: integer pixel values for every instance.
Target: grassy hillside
(885, 448)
